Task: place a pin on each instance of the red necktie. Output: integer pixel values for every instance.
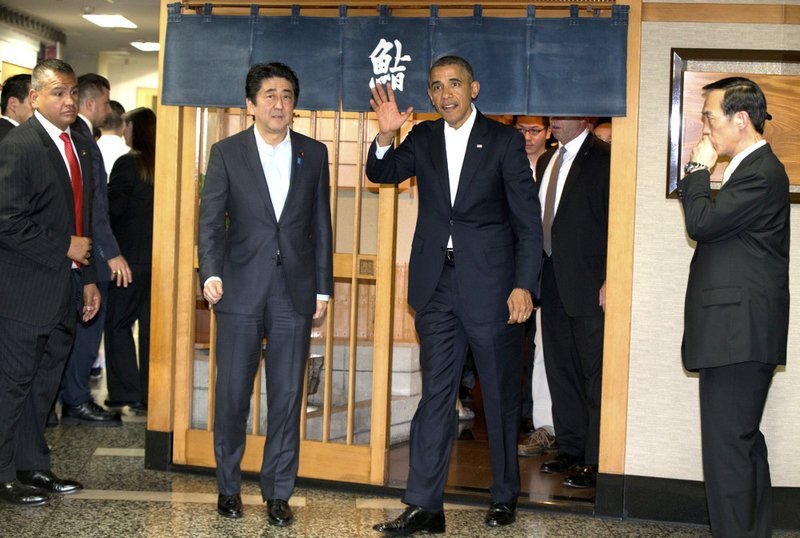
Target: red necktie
(77, 182)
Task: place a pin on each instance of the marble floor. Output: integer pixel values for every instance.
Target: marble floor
(122, 498)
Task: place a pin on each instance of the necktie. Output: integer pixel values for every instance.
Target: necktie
(550, 202)
(77, 182)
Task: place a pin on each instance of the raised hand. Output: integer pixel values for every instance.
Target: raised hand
(390, 119)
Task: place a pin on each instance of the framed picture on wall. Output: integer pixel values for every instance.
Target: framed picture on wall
(778, 74)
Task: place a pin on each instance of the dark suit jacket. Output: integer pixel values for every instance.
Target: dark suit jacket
(737, 299)
(130, 206)
(580, 228)
(104, 245)
(5, 128)
(37, 218)
(497, 234)
(243, 255)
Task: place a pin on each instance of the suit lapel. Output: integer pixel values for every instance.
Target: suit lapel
(253, 161)
(296, 167)
(439, 157)
(476, 149)
(575, 169)
(87, 177)
(747, 162)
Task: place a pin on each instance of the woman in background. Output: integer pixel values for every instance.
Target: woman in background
(130, 205)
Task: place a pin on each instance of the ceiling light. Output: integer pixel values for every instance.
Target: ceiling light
(110, 21)
(146, 46)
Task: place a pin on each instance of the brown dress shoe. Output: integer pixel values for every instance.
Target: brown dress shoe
(537, 443)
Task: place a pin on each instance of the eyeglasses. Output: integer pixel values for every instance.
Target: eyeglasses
(533, 131)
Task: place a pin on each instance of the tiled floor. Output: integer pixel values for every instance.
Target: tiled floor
(124, 499)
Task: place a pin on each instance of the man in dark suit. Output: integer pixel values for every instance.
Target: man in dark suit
(45, 253)
(475, 262)
(573, 188)
(274, 256)
(77, 404)
(736, 319)
(15, 103)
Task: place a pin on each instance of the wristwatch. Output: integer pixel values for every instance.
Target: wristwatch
(694, 166)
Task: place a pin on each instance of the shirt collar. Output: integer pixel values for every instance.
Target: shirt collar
(51, 129)
(262, 145)
(575, 144)
(87, 122)
(467, 126)
(12, 121)
(737, 160)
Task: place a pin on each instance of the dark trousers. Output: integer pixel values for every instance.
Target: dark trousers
(444, 330)
(128, 378)
(573, 357)
(31, 362)
(75, 388)
(735, 466)
(527, 372)
(238, 351)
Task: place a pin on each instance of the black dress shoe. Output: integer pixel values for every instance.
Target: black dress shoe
(413, 519)
(501, 514)
(15, 493)
(563, 463)
(47, 481)
(584, 478)
(89, 414)
(279, 513)
(230, 505)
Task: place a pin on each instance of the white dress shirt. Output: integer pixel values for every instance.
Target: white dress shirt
(12, 121)
(737, 160)
(276, 161)
(571, 150)
(112, 147)
(55, 134)
(455, 144)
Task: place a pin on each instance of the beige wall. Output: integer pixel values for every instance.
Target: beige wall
(663, 437)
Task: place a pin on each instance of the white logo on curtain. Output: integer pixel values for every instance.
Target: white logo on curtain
(387, 68)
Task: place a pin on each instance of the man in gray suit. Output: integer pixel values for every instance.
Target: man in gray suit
(737, 300)
(45, 263)
(265, 232)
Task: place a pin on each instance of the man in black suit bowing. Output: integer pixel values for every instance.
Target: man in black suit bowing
(475, 262)
(573, 188)
(45, 253)
(265, 232)
(736, 319)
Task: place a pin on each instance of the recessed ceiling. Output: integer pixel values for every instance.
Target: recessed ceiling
(83, 37)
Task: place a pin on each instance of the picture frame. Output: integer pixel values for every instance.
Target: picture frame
(777, 72)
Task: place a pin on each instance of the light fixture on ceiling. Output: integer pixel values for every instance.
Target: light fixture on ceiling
(110, 21)
(146, 46)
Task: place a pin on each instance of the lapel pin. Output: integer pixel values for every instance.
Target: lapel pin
(479, 146)
(299, 158)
